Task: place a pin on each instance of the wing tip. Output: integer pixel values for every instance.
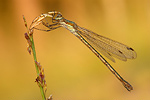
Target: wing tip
(134, 54)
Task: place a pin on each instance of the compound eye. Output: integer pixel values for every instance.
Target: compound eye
(59, 15)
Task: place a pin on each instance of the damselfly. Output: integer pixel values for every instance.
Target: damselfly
(93, 41)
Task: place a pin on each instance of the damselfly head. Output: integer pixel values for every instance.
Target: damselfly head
(56, 15)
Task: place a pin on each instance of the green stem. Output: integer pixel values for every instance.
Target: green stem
(37, 69)
(34, 56)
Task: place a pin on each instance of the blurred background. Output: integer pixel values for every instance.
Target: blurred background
(72, 71)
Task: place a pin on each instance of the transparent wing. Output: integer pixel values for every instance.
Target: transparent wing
(106, 46)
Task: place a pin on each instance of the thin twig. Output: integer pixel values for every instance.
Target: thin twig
(41, 81)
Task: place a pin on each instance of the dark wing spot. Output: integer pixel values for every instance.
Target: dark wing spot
(109, 54)
(130, 48)
(120, 51)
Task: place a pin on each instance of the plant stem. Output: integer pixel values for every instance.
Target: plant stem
(37, 69)
(30, 37)
(34, 55)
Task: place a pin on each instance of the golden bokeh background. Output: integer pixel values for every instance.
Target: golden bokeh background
(72, 71)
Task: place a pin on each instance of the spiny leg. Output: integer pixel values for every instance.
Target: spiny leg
(51, 27)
